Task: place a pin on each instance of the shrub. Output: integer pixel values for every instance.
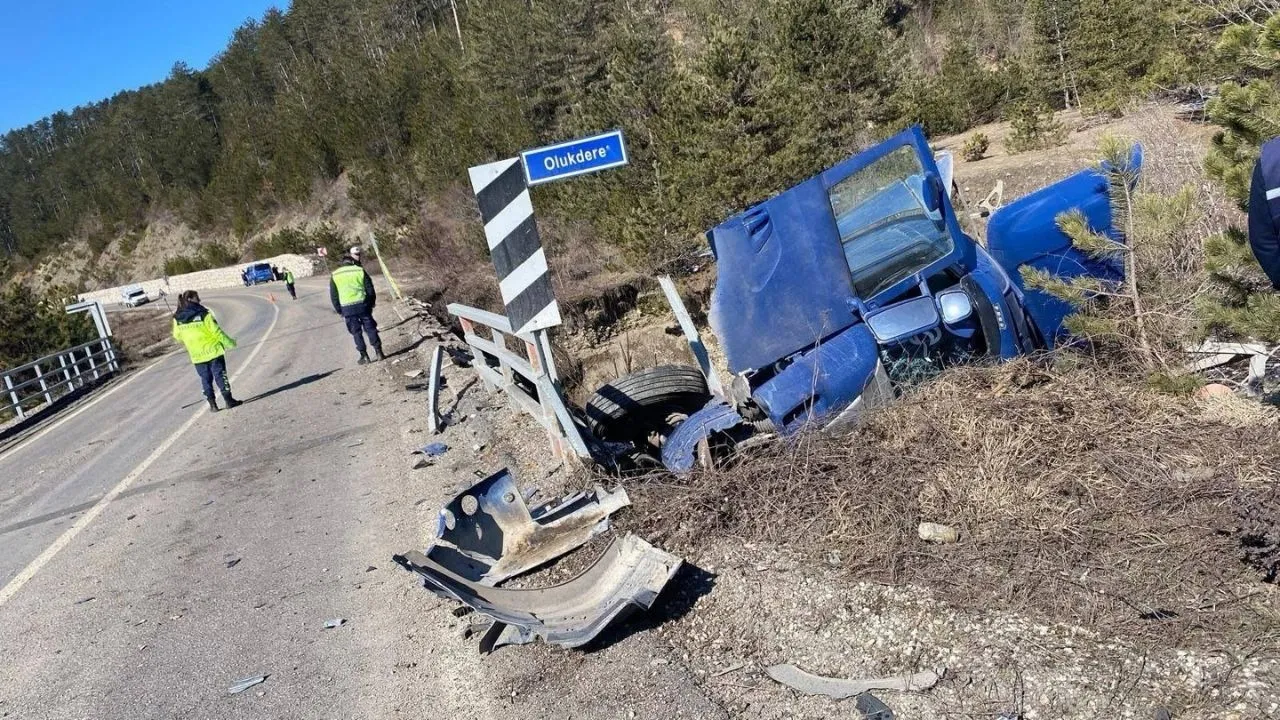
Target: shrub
(288, 240)
(129, 243)
(1142, 321)
(180, 265)
(1034, 128)
(207, 257)
(975, 148)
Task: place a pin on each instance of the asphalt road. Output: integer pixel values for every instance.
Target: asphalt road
(152, 553)
(65, 467)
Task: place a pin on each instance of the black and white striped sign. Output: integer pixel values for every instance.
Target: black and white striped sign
(512, 234)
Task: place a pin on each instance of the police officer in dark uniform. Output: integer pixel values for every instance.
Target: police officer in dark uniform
(1264, 211)
(353, 297)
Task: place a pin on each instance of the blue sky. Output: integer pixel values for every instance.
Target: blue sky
(57, 55)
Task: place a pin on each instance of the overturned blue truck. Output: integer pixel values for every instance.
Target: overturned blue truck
(833, 295)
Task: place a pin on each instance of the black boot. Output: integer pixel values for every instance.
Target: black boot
(378, 352)
(364, 359)
(231, 401)
(213, 404)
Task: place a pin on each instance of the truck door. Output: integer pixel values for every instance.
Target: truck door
(801, 267)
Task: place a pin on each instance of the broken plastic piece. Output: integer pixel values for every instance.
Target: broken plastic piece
(432, 449)
(872, 708)
(839, 688)
(938, 533)
(241, 685)
(334, 623)
(629, 576)
(680, 451)
(487, 534)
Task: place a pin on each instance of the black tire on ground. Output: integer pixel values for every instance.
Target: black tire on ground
(631, 407)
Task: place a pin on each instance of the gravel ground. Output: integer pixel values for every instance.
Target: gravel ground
(740, 607)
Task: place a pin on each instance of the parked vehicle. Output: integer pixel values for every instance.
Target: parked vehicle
(849, 286)
(133, 296)
(257, 273)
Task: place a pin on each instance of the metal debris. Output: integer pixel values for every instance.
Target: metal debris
(731, 668)
(487, 533)
(839, 688)
(628, 577)
(1214, 354)
(433, 392)
(334, 623)
(241, 685)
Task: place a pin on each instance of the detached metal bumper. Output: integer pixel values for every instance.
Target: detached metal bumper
(628, 577)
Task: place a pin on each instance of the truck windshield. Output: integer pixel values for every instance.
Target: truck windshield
(885, 227)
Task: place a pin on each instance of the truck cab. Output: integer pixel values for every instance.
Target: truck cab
(859, 281)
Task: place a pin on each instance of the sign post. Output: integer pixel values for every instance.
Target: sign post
(511, 231)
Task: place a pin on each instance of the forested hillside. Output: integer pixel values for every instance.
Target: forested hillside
(722, 102)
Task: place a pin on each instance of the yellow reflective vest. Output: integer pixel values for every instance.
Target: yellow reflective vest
(198, 331)
(349, 280)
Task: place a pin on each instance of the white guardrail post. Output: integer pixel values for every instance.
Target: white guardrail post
(528, 382)
(13, 395)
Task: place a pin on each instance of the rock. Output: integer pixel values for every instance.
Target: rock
(1214, 390)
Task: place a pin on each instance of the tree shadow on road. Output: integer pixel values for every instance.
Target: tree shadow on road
(314, 377)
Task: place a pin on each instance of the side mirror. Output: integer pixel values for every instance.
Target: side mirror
(934, 194)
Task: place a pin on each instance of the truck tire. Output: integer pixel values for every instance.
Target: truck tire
(631, 407)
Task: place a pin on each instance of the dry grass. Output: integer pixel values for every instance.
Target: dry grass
(1078, 498)
(143, 333)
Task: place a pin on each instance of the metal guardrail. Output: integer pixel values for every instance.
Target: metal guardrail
(37, 384)
(530, 382)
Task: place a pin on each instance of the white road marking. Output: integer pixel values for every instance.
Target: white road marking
(65, 538)
(86, 406)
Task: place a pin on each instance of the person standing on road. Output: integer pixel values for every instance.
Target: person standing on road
(351, 291)
(288, 283)
(207, 344)
(1264, 211)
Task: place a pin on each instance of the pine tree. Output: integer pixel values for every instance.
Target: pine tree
(1241, 302)
(1249, 110)
(1107, 313)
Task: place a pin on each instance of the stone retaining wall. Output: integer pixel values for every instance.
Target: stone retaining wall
(302, 266)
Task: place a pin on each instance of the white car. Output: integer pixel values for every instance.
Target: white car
(134, 296)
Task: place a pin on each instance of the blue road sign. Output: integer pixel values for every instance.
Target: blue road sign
(576, 157)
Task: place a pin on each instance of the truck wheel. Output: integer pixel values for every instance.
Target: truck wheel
(630, 408)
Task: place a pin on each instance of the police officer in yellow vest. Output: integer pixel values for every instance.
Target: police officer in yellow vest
(351, 291)
(206, 343)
